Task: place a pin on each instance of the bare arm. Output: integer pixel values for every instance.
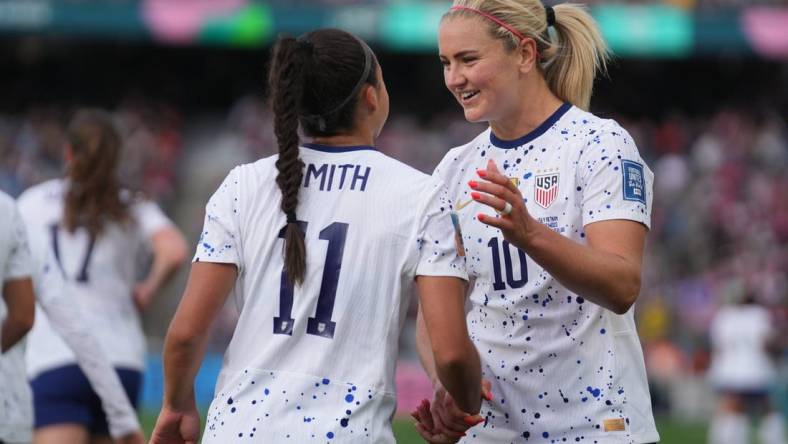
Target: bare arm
(20, 302)
(424, 348)
(169, 253)
(606, 271)
(456, 362)
(206, 291)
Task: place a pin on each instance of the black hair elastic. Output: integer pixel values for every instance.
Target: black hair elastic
(291, 217)
(305, 44)
(550, 16)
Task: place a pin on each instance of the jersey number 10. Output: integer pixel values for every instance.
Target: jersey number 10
(498, 283)
(321, 324)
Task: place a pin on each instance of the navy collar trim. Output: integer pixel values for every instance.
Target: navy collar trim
(337, 149)
(541, 129)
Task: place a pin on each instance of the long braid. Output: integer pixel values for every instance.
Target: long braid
(287, 85)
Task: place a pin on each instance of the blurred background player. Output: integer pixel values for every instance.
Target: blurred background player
(322, 244)
(95, 232)
(21, 268)
(743, 344)
(559, 269)
(17, 311)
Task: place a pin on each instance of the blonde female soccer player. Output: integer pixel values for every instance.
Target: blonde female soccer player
(557, 270)
(322, 244)
(95, 231)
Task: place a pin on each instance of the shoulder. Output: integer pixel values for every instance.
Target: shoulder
(595, 130)
(34, 196)
(258, 171)
(455, 157)
(7, 203)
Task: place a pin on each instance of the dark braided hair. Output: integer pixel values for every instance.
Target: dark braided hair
(310, 79)
(93, 195)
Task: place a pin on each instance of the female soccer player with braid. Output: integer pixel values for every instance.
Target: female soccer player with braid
(320, 246)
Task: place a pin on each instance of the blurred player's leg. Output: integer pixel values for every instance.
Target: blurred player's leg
(61, 434)
(772, 429)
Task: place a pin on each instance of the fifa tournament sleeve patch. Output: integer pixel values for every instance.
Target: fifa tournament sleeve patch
(455, 220)
(634, 181)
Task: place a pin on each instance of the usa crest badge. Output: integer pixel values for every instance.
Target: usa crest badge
(546, 189)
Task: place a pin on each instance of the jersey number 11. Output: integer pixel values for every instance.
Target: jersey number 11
(321, 324)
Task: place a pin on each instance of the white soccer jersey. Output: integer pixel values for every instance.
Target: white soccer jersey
(16, 404)
(100, 275)
(316, 363)
(739, 335)
(17, 261)
(563, 369)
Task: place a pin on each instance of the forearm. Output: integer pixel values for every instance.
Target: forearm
(20, 305)
(14, 330)
(169, 253)
(461, 378)
(604, 278)
(424, 349)
(182, 358)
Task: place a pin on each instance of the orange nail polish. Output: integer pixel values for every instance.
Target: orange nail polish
(476, 196)
(473, 184)
(481, 173)
(480, 217)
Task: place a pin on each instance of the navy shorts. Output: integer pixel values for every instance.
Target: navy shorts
(64, 396)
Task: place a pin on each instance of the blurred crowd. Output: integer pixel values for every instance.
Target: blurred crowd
(720, 218)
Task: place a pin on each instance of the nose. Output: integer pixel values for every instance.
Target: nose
(453, 77)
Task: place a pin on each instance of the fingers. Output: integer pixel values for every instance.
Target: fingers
(492, 174)
(504, 223)
(495, 203)
(473, 420)
(447, 421)
(497, 190)
(487, 390)
(425, 416)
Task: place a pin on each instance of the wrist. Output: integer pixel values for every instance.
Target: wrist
(531, 233)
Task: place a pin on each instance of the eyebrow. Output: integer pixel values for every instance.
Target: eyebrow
(460, 54)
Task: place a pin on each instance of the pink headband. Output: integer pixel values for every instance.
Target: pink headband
(491, 17)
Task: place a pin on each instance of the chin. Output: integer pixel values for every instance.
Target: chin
(474, 116)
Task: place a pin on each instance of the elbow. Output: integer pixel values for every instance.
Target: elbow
(627, 293)
(27, 320)
(175, 250)
(23, 319)
(181, 338)
(178, 252)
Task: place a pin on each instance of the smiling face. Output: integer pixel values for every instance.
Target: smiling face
(478, 70)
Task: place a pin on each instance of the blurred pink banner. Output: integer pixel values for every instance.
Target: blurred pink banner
(767, 30)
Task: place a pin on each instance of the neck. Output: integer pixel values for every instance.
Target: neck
(536, 105)
(354, 139)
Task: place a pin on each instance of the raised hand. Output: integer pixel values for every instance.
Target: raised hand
(499, 193)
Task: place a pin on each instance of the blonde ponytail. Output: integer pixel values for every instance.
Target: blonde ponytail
(570, 58)
(571, 64)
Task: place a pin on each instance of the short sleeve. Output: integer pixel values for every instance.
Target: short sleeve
(19, 264)
(220, 237)
(149, 217)
(614, 180)
(439, 250)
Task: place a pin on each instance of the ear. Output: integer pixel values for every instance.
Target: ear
(370, 97)
(527, 55)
